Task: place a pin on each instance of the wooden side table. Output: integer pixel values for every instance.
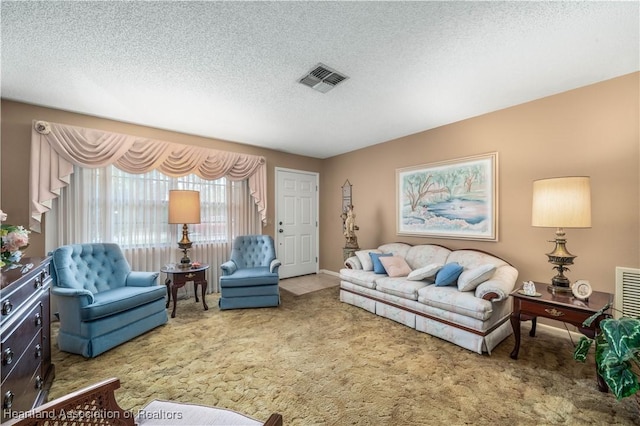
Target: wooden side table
(178, 277)
(558, 306)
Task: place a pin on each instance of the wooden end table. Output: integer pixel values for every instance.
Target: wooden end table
(558, 306)
(178, 277)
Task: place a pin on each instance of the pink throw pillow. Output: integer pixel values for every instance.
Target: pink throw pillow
(395, 266)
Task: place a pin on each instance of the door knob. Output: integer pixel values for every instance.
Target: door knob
(7, 306)
(281, 230)
(8, 400)
(7, 356)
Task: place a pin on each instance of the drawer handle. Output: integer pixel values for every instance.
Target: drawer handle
(38, 350)
(7, 356)
(7, 306)
(38, 320)
(190, 275)
(8, 400)
(554, 312)
(39, 382)
(37, 283)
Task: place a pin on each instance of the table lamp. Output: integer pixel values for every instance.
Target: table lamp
(563, 202)
(184, 208)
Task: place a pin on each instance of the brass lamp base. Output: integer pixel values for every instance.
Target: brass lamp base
(560, 257)
(558, 288)
(185, 244)
(185, 262)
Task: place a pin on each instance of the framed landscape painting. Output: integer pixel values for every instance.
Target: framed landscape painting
(449, 199)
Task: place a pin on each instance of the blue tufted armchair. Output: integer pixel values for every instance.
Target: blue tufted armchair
(250, 279)
(101, 302)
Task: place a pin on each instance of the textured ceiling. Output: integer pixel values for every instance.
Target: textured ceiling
(229, 70)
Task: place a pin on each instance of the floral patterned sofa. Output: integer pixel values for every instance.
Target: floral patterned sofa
(461, 296)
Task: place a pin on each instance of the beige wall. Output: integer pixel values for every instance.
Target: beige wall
(590, 131)
(16, 141)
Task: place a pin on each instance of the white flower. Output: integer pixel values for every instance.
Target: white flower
(3, 216)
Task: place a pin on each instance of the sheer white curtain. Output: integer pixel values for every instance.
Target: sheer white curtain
(110, 205)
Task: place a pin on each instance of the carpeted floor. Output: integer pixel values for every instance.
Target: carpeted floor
(321, 362)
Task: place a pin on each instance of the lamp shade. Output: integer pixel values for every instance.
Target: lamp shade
(184, 206)
(563, 202)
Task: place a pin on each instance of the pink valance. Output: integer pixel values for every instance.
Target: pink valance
(56, 148)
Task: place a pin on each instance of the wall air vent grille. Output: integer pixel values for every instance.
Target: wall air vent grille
(322, 78)
(627, 292)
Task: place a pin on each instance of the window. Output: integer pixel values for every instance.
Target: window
(109, 205)
(131, 210)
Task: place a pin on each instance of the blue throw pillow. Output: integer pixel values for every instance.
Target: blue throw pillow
(448, 274)
(378, 268)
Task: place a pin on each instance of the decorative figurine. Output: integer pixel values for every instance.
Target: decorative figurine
(350, 229)
(529, 288)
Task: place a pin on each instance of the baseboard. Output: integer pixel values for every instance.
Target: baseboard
(328, 272)
(559, 332)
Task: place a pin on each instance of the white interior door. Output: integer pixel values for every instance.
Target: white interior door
(296, 226)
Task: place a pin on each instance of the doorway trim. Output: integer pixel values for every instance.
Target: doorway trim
(317, 207)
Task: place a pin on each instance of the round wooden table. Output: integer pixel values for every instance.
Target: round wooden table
(177, 277)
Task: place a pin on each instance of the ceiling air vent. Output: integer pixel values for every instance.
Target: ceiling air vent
(322, 78)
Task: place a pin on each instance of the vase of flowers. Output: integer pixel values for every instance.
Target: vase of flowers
(15, 239)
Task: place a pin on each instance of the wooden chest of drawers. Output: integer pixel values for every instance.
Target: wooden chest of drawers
(25, 319)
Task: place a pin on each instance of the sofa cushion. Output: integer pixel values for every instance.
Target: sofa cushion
(425, 272)
(398, 249)
(448, 274)
(94, 267)
(472, 258)
(377, 265)
(451, 300)
(400, 287)
(359, 277)
(426, 254)
(365, 259)
(395, 266)
(121, 299)
(469, 279)
(260, 275)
